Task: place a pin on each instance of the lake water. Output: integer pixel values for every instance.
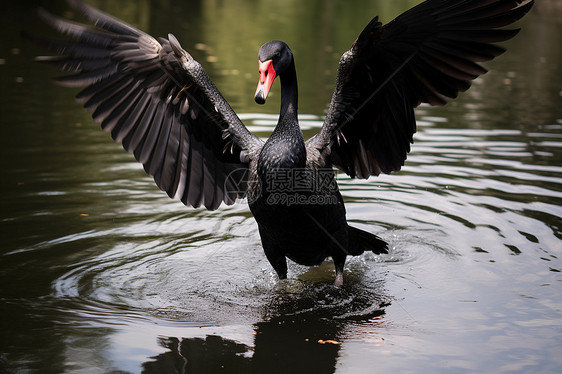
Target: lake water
(101, 272)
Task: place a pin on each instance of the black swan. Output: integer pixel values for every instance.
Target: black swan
(159, 102)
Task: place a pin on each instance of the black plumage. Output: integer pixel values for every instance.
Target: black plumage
(152, 96)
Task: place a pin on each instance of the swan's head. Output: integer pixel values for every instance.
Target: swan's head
(274, 58)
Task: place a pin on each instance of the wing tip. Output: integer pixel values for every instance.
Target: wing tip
(176, 46)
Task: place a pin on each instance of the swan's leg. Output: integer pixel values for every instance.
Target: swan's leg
(339, 262)
(339, 279)
(275, 256)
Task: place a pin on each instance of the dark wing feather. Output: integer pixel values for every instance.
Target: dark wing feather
(428, 54)
(155, 99)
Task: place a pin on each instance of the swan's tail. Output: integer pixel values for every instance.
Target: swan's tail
(361, 241)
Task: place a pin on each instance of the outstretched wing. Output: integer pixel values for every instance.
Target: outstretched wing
(155, 99)
(428, 54)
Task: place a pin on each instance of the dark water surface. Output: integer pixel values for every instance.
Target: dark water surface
(101, 272)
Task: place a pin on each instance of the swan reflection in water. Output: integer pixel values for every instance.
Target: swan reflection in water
(301, 337)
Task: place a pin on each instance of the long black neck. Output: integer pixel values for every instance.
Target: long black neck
(288, 118)
(289, 92)
(285, 147)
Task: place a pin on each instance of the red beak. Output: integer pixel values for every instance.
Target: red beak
(267, 75)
